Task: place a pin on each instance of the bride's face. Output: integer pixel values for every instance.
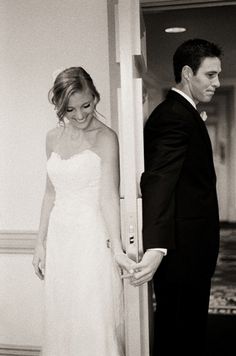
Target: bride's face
(80, 109)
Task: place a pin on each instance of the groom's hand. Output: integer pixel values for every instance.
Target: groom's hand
(145, 269)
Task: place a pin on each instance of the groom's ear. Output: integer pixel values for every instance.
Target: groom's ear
(187, 73)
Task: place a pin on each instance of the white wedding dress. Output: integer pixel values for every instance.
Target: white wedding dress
(83, 288)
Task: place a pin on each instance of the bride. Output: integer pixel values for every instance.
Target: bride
(79, 252)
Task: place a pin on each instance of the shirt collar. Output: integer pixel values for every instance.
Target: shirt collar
(190, 100)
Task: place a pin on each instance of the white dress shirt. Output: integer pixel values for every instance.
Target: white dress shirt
(190, 100)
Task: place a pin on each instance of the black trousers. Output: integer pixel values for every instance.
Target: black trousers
(180, 321)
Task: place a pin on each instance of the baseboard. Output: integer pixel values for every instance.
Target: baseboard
(14, 350)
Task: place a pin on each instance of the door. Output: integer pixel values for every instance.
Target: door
(130, 112)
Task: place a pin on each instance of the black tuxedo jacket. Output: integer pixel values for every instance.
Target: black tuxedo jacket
(180, 209)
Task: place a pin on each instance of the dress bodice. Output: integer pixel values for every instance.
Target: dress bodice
(76, 180)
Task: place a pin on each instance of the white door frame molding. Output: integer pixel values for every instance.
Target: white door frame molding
(130, 114)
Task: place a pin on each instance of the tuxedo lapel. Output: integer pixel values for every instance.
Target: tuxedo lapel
(203, 129)
(173, 95)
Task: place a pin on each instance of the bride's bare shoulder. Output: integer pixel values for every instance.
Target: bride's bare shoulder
(107, 139)
(52, 138)
(54, 133)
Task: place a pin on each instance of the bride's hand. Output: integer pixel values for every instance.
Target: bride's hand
(39, 260)
(125, 263)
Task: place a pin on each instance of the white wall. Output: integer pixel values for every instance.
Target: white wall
(37, 37)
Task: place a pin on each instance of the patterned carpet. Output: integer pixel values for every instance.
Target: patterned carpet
(223, 292)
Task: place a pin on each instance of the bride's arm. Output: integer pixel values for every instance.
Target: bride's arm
(110, 197)
(47, 205)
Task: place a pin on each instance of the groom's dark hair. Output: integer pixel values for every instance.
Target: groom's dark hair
(192, 53)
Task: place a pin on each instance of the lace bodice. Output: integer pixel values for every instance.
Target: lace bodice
(76, 180)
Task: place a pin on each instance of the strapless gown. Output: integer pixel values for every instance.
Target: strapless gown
(83, 288)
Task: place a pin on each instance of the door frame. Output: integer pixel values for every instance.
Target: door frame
(129, 126)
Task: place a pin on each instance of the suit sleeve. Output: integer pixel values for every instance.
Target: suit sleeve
(166, 143)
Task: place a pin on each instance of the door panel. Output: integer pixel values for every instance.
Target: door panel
(130, 98)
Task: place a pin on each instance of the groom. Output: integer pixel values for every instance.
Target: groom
(180, 210)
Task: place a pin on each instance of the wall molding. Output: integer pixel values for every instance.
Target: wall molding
(14, 350)
(17, 242)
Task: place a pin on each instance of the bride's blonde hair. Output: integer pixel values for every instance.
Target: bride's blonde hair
(68, 82)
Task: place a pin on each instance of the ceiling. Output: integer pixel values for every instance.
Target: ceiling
(216, 24)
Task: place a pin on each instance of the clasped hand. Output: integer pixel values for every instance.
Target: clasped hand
(142, 272)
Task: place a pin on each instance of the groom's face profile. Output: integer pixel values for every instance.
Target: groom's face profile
(205, 81)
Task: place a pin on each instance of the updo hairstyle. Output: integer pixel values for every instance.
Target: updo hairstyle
(68, 82)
